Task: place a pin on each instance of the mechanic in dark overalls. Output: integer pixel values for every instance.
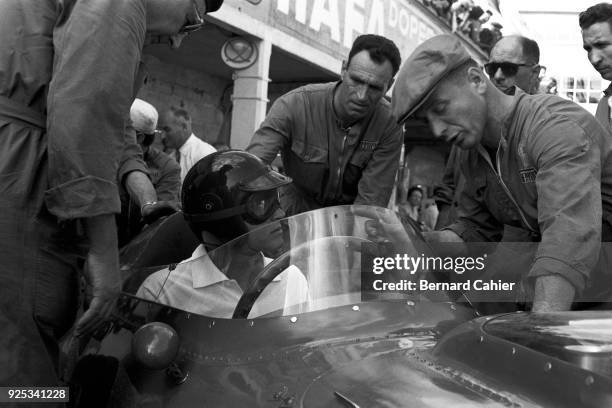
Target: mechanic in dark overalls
(338, 141)
(63, 105)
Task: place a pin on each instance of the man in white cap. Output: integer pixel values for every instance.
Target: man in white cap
(537, 162)
(148, 198)
(67, 78)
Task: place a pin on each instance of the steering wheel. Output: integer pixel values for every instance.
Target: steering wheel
(277, 266)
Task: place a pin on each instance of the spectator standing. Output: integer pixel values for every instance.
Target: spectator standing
(514, 61)
(412, 207)
(176, 133)
(596, 25)
(339, 142)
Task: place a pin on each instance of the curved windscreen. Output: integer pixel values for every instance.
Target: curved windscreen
(311, 261)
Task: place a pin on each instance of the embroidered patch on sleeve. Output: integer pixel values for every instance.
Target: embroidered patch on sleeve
(367, 145)
(528, 175)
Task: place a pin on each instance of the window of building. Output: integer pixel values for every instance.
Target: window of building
(581, 89)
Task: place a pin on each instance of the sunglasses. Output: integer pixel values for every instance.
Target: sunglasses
(508, 68)
(199, 21)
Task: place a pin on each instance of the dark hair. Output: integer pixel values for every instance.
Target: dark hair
(380, 48)
(598, 13)
(531, 50)
(413, 189)
(180, 113)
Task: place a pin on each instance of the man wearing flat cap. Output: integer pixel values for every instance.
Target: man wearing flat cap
(536, 162)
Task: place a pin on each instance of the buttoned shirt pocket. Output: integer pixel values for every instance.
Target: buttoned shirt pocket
(309, 153)
(354, 171)
(307, 164)
(361, 157)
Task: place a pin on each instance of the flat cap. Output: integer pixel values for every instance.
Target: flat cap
(428, 64)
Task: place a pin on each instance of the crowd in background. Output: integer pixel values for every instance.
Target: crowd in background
(466, 17)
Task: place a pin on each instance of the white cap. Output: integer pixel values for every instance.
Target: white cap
(144, 116)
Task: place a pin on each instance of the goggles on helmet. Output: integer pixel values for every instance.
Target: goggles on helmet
(256, 209)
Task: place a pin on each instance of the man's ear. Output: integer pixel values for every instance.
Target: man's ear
(535, 70)
(476, 78)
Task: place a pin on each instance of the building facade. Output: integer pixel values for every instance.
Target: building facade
(284, 44)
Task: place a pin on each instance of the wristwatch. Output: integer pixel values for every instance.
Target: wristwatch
(148, 203)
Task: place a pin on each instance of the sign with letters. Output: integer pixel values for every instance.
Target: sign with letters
(332, 25)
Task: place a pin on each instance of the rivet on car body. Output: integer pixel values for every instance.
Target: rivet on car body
(211, 324)
(589, 380)
(453, 307)
(513, 351)
(293, 319)
(356, 308)
(547, 367)
(410, 303)
(481, 339)
(251, 323)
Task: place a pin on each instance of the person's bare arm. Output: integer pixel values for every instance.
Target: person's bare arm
(553, 293)
(102, 272)
(142, 191)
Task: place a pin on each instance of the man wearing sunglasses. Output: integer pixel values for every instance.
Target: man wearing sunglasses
(225, 195)
(536, 162)
(63, 107)
(513, 62)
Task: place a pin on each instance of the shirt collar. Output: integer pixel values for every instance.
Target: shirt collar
(203, 271)
(608, 90)
(185, 145)
(507, 122)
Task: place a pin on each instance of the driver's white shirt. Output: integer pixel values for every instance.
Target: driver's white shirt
(196, 285)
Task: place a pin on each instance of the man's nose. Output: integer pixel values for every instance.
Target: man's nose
(595, 57)
(438, 128)
(362, 92)
(499, 75)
